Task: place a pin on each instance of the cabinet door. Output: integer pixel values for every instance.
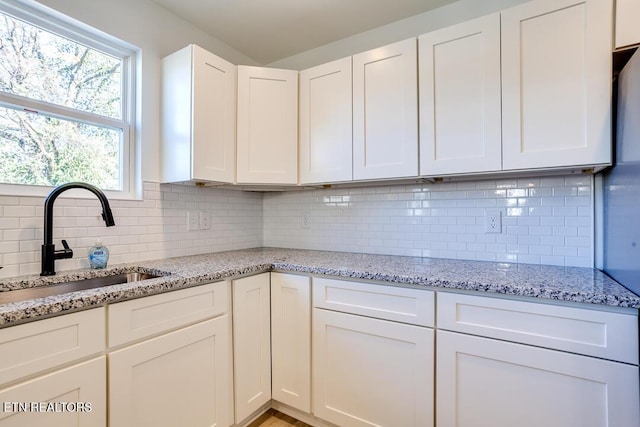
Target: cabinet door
(556, 84)
(291, 340)
(371, 372)
(484, 382)
(198, 117)
(627, 27)
(460, 117)
(385, 112)
(178, 379)
(267, 126)
(326, 123)
(83, 387)
(251, 344)
(214, 117)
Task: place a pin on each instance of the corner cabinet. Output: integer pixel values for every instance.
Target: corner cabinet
(291, 340)
(326, 127)
(251, 344)
(385, 112)
(460, 117)
(556, 83)
(267, 144)
(198, 117)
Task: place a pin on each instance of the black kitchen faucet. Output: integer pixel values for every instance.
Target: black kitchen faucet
(49, 252)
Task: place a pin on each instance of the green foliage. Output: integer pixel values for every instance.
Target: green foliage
(38, 149)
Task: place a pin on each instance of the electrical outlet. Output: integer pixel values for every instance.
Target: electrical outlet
(306, 220)
(205, 220)
(193, 221)
(493, 221)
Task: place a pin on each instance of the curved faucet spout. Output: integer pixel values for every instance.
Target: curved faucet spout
(49, 253)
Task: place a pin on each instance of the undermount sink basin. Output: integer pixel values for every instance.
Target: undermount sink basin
(76, 285)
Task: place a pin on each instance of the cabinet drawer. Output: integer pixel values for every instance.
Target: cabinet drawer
(595, 333)
(144, 317)
(35, 347)
(405, 305)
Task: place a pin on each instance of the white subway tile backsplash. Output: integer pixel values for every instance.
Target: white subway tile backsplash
(544, 220)
(155, 227)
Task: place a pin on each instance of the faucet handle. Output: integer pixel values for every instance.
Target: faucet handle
(67, 252)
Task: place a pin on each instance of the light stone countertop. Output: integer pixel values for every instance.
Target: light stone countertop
(568, 284)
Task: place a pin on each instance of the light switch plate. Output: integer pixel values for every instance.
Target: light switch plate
(193, 221)
(205, 220)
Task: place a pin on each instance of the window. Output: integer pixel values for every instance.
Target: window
(66, 105)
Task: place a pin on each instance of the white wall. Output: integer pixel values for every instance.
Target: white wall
(406, 28)
(157, 33)
(545, 220)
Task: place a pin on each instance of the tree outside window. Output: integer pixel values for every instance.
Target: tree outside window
(62, 109)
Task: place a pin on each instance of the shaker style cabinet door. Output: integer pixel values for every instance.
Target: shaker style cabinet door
(460, 118)
(198, 117)
(179, 379)
(267, 126)
(291, 340)
(556, 84)
(371, 372)
(251, 344)
(483, 382)
(385, 112)
(627, 25)
(326, 123)
(83, 384)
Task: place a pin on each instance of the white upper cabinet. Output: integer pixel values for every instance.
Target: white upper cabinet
(326, 123)
(385, 112)
(627, 25)
(460, 122)
(267, 144)
(556, 84)
(198, 117)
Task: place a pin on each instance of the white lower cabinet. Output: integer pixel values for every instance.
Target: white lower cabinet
(368, 371)
(181, 378)
(77, 396)
(176, 368)
(291, 340)
(504, 363)
(251, 344)
(371, 372)
(486, 382)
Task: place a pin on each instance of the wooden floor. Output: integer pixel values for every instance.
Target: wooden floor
(273, 418)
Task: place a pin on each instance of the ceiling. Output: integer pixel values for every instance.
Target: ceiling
(270, 30)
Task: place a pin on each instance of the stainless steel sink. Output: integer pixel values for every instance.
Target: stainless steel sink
(66, 287)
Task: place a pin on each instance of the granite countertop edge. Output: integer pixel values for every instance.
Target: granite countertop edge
(568, 284)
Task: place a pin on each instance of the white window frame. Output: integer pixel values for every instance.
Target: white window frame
(61, 25)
